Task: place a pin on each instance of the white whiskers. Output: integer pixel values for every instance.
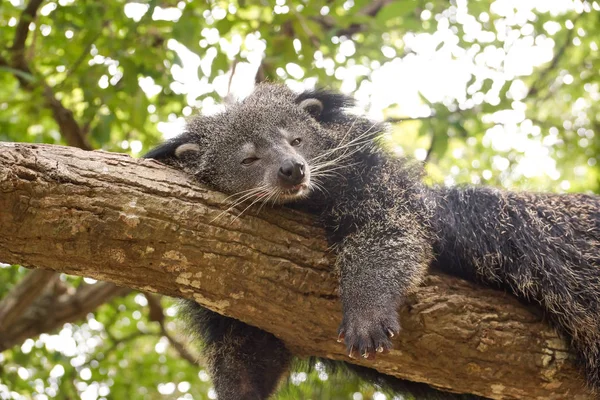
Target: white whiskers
(323, 166)
(326, 168)
(241, 197)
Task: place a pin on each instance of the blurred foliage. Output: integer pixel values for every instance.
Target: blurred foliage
(123, 70)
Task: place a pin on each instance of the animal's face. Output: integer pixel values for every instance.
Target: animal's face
(263, 148)
(271, 159)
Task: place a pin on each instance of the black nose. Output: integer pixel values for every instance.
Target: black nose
(291, 172)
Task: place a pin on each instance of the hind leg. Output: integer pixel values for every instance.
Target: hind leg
(245, 363)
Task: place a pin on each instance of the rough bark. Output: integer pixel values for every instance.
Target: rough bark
(142, 225)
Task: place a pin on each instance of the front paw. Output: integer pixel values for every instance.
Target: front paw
(368, 332)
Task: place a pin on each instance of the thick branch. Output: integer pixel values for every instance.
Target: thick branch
(145, 226)
(12, 313)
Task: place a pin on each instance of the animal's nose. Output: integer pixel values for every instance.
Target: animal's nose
(291, 172)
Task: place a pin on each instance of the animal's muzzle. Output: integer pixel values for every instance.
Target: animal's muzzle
(291, 172)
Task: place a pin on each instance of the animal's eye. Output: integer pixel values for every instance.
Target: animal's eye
(296, 142)
(249, 160)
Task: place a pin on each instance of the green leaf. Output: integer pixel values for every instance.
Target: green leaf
(22, 74)
(396, 9)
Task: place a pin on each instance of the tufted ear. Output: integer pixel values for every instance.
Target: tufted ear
(324, 105)
(174, 149)
(313, 106)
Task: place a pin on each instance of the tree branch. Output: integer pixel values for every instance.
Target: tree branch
(68, 126)
(140, 224)
(540, 81)
(51, 310)
(307, 31)
(83, 55)
(157, 315)
(398, 120)
(14, 304)
(22, 31)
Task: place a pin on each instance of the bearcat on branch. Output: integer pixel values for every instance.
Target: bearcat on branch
(387, 229)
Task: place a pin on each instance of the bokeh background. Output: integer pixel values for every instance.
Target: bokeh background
(503, 93)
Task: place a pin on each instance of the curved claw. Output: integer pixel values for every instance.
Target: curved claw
(350, 353)
(367, 334)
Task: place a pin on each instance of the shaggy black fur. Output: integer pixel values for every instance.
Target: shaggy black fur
(387, 229)
(245, 362)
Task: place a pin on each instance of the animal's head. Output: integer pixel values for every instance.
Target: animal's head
(264, 147)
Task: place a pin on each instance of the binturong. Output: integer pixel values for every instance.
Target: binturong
(387, 229)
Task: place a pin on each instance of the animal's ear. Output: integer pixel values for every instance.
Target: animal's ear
(174, 149)
(312, 106)
(324, 105)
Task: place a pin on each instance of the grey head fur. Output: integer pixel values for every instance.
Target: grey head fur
(243, 149)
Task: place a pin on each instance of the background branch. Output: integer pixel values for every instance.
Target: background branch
(22, 295)
(398, 120)
(540, 81)
(157, 315)
(51, 310)
(22, 31)
(30, 81)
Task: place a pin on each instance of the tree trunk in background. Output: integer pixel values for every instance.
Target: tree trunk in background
(145, 226)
